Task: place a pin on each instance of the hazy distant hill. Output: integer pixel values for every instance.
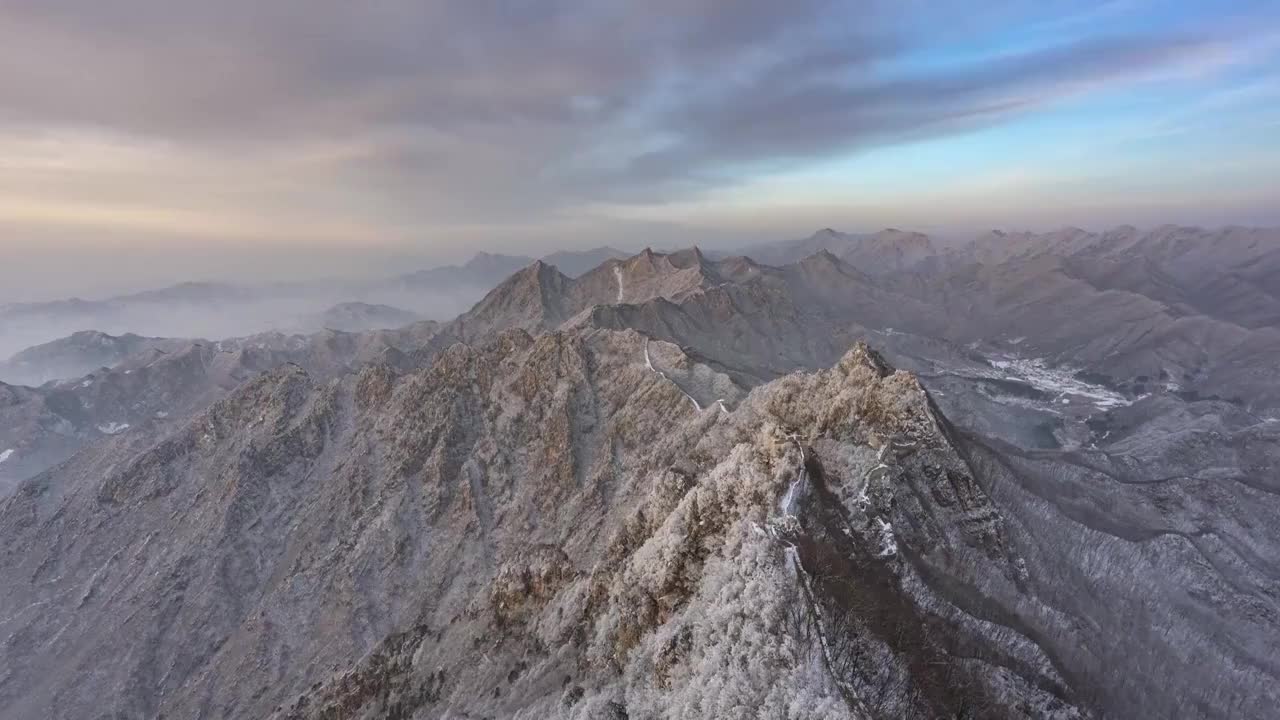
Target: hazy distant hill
(359, 316)
(875, 253)
(75, 355)
(203, 309)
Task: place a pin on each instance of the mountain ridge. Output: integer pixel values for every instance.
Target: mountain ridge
(671, 485)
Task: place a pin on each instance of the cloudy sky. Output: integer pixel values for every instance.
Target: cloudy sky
(141, 138)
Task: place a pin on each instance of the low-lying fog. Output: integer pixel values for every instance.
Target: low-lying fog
(223, 311)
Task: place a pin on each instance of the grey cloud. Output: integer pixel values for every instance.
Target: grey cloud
(518, 106)
(813, 115)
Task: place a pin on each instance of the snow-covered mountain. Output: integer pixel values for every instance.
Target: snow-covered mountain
(678, 486)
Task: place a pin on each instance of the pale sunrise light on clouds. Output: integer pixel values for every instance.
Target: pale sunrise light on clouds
(434, 128)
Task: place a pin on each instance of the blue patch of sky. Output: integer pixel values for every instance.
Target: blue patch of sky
(1192, 124)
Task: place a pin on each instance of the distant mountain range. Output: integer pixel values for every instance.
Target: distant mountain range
(876, 253)
(854, 476)
(226, 310)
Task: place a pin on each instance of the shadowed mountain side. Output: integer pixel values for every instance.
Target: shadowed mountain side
(1168, 541)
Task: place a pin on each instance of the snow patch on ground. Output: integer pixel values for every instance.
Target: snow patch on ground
(888, 543)
(113, 428)
(787, 505)
(6, 455)
(162, 414)
(798, 487)
(1060, 380)
(87, 383)
(617, 272)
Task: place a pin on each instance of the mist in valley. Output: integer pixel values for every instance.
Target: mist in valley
(223, 312)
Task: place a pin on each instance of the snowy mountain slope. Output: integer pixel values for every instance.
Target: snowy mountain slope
(545, 510)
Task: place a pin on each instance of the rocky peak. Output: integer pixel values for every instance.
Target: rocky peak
(825, 268)
(687, 258)
(533, 298)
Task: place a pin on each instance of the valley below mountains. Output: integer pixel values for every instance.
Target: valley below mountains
(851, 476)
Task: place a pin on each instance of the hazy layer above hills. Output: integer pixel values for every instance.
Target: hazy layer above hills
(223, 310)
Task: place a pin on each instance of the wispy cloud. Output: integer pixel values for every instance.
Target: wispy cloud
(413, 114)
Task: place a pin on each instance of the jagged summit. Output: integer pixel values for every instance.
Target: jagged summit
(539, 297)
(577, 262)
(534, 298)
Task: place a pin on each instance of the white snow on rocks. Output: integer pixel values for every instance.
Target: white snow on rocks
(617, 272)
(6, 455)
(787, 505)
(1059, 380)
(888, 543)
(649, 364)
(113, 428)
